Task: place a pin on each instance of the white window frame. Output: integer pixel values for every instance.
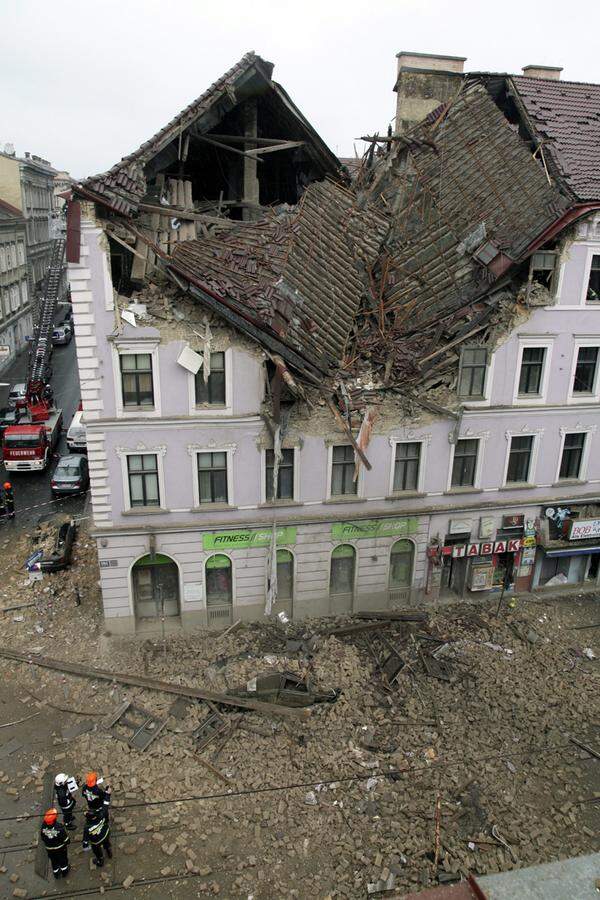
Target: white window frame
(159, 452)
(21, 253)
(594, 396)
(343, 498)
(533, 400)
(229, 556)
(127, 348)
(194, 453)
(487, 387)
(592, 250)
(356, 566)
(263, 477)
(478, 464)
(420, 488)
(536, 435)
(2, 258)
(589, 431)
(209, 412)
(15, 297)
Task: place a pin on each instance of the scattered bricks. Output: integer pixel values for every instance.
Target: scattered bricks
(128, 881)
(12, 792)
(19, 892)
(204, 871)
(14, 878)
(3, 870)
(166, 871)
(59, 756)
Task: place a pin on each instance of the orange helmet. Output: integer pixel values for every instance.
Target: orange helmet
(7, 485)
(91, 779)
(50, 816)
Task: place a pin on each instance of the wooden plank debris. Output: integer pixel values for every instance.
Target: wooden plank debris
(152, 684)
(393, 615)
(347, 630)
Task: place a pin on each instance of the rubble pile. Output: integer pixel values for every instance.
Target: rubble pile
(478, 710)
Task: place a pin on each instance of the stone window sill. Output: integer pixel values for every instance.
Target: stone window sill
(278, 503)
(406, 495)
(145, 511)
(517, 486)
(345, 498)
(463, 490)
(566, 482)
(211, 507)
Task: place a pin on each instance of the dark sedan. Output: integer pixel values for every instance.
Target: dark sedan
(70, 476)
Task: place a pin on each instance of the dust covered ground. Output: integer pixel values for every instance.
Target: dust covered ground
(317, 806)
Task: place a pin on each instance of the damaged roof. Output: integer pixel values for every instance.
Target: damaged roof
(123, 187)
(566, 118)
(300, 272)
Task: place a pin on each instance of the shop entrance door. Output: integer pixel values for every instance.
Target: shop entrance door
(594, 567)
(155, 587)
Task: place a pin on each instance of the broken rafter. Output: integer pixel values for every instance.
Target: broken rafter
(286, 145)
(347, 429)
(222, 146)
(243, 139)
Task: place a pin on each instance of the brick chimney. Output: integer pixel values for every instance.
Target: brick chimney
(424, 81)
(550, 73)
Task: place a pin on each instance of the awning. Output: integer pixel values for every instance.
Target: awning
(573, 551)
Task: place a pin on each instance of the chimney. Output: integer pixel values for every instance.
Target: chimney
(549, 73)
(424, 81)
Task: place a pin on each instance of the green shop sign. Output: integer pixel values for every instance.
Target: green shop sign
(373, 528)
(243, 539)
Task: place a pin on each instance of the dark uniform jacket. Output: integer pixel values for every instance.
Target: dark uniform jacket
(54, 836)
(97, 797)
(64, 796)
(95, 830)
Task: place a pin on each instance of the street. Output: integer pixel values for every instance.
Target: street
(33, 498)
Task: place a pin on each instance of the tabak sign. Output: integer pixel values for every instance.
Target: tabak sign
(485, 548)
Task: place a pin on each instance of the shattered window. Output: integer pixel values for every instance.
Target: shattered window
(285, 475)
(464, 463)
(219, 582)
(519, 459)
(401, 564)
(342, 471)
(285, 575)
(406, 468)
(142, 470)
(543, 266)
(585, 371)
(572, 455)
(212, 392)
(593, 289)
(532, 367)
(473, 367)
(136, 379)
(341, 579)
(212, 477)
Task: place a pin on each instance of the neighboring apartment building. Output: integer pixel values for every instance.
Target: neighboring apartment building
(62, 184)
(15, 307)
(375, 394)
(27, 183)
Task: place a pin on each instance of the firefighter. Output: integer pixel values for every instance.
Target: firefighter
(2, 506)
(96, 834)
(9, 500)
(55, 838)
(64, 788)
(97, 798)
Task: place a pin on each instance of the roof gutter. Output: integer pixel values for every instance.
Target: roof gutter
(571, 215)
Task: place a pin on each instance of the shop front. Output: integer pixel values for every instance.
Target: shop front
(570, 547)
(481, 565)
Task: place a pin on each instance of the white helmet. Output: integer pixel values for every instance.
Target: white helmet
(61, 779)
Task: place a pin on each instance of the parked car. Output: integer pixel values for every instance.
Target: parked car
(62, 334)
(60, 557)
(70, 476)
(10, 415)
(76, 434)
(17, 394)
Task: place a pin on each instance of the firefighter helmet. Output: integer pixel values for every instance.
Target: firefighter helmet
(50, 816)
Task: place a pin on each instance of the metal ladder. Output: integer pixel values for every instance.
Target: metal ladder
(41, 349)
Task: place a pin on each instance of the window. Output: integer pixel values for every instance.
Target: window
(21, 253)
(212, 477)
(211, 392)
(401, 564)
(2, 259)
(285, 476)
(585, 370)
(219, 581)
(464, 463)
(406, 467)
(473, 367)
(285, 575)
(342, 471)
(136, 379)
(572, 455)
(543, 267)
(532, 367)
(341, 579)
(24, 294)
(519, 459)
(593, 288)
(142, 471)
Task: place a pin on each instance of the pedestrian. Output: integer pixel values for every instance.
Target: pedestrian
(96, 834)
(9, 500)
(65, 788)
(97, 798)
(55, 839)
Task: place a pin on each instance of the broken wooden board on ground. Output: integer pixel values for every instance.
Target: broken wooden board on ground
(394, 615)
(141, 727)
(347, 630)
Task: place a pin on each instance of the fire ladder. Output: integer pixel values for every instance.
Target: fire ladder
(41, 347)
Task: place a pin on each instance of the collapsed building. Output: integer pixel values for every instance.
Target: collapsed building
(309, 390)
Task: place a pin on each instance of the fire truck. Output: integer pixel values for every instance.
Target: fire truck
(29, 445)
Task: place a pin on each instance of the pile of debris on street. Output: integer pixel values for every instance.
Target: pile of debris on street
(383, 753)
